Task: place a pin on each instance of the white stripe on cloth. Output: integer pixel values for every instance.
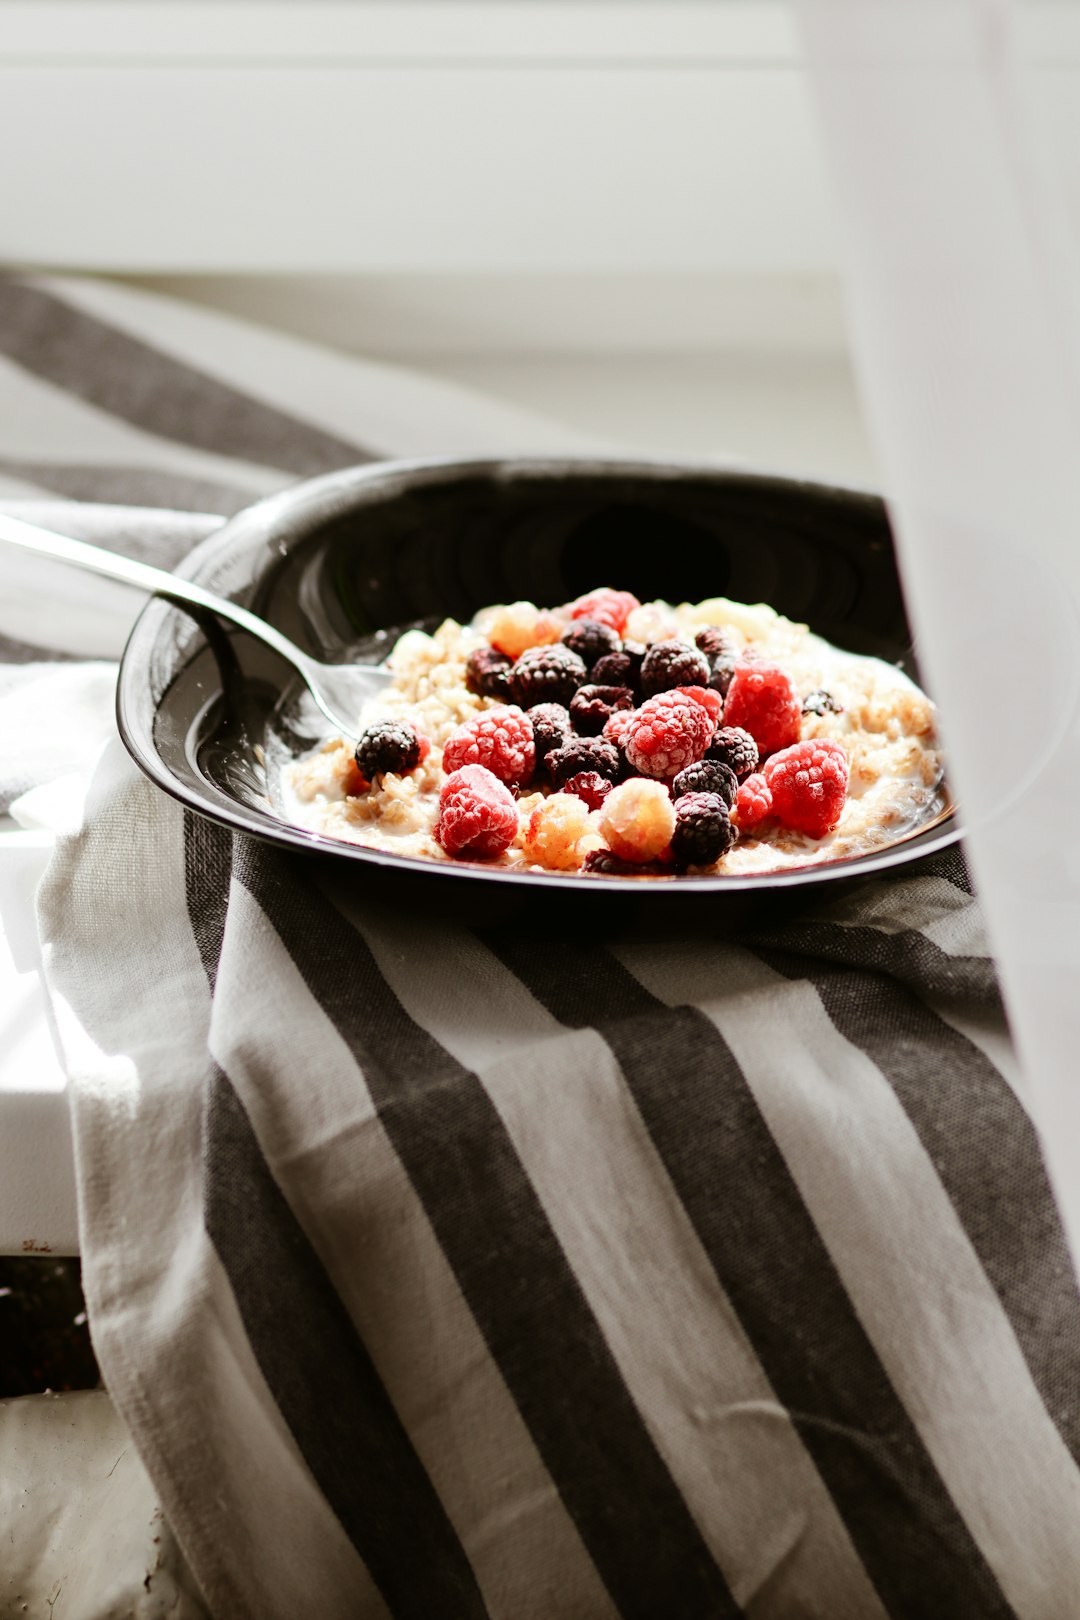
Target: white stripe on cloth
(930, 905)
(744, 1473)
(906, 1261)
(164, 1323)
(331, 1157)
(386, 407)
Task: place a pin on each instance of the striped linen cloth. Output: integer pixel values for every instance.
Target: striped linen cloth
(449, 1274)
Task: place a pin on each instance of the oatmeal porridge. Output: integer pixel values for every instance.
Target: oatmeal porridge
(612, 736)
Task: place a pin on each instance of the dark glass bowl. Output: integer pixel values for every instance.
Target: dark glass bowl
(343, 564)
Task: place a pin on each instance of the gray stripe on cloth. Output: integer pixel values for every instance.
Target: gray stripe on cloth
(312, 1359)
(987, 1155)
(904, 1258)
(769, 1256)
(326, 1147)
(129, 486)
(156, 392)
(728, 1441)
(524, 1295)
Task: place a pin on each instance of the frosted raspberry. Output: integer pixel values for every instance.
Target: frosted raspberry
(589, 786)
(499, 739)
(616, 727)
(762, 701)
(753, 803)
(809, 785)
(554, 832)
(514, 629)
(668, 733)
(637, 819)
(478, 814)
(606, 606)
(712, 701)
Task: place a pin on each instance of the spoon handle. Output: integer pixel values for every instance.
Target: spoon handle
(144, 577)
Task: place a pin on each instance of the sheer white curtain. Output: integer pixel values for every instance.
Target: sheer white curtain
(964, 299)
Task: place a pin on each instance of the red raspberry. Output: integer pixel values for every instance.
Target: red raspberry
(667, 733)
(753, 803)
(707, 698)
(478, 814)
(500, 739)
(617, 725)
(762, 700)
(590, 786)
(606, 606)
(809, 785)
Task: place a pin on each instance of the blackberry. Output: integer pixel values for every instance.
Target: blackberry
(673, 663)
(590, 786)
(487, 673)
(702, 829)
(546, 675)
(388, 745)
(591, 640)
(820, 702)
(592, 706)
(602, 863)
(735, 747)
(614, 669)
(706, 776)
(715, 643)
(584, 754)
(551, 728)
(723, 668)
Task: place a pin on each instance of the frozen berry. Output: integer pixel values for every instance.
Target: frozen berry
(609, 607)
(592, 706)
(554, 832)
(667, 733)
(387, 745)
(723, 669)
(753, 803)
(603, 863)
(709, 700)
(616, 669)
(715, 643)
(702, 829)
(583, 754)
(486, 672)
(809, 785)
(477, 814)
(590, 786)
(546, 675)
(590, 640)
(672, 663)
(762, 701)
(820, 702)
(637, 819)
(706, 776)
(499, 739)
(513, 629)
(735, 747)
(551, 728)
(617, 725)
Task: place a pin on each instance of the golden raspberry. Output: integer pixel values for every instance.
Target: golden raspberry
(637, 819)
(521, 625)
(554, 832)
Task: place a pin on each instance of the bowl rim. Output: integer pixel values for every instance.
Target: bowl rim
(311, 502)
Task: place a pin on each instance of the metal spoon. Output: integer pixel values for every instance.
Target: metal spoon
(340, 690)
